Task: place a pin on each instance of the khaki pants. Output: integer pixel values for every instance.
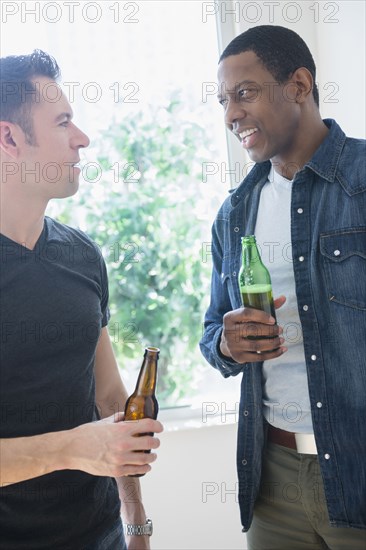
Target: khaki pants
(290, 512)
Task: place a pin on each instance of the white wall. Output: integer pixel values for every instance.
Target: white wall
(191, 492)
(341, 60)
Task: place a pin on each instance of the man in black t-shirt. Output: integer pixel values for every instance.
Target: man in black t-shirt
(64, 448)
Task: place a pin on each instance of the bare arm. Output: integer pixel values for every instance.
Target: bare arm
(104, 448)
(23, 458)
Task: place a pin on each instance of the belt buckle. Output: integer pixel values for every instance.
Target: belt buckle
(305, 444)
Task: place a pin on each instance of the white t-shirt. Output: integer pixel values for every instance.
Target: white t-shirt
(286, 403)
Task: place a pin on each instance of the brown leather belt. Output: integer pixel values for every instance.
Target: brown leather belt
(281, 437)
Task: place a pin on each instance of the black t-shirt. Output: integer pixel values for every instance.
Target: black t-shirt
(53, 304)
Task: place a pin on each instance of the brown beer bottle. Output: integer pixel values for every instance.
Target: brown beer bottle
(254, 279)
(142, 403)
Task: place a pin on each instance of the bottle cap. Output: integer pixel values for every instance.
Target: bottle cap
(152, 349)
(248, 238)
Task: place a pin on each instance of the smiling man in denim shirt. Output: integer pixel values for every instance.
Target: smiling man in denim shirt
(302, 424)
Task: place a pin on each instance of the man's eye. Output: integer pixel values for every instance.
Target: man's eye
(223, 102)
(248, 93)
(65, 123)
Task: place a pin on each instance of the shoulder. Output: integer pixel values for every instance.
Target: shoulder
(355, 147)
(64, 234)
(352, 166)
(343, 150)
(73, 243)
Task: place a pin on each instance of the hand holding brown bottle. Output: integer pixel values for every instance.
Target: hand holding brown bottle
(108, 447)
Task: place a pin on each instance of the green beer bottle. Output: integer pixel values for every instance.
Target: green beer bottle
(142, 403)
(254, 279)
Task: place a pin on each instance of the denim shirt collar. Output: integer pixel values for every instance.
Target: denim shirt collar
(257, 175)
(326, 158)
(325, 162)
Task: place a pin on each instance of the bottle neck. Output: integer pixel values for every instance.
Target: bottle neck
(146, 381)
(250, 254)
(253, 272)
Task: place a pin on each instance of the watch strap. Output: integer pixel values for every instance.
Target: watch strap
(132, 529)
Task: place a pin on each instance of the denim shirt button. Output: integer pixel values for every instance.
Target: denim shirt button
(305, 307)
(336, 252)
(246, 413)
(313, 357)
(327, 456)
(234, 273)
(300, 211)
(319, 405)
(301, 258)
(244, 462)
(236, 229)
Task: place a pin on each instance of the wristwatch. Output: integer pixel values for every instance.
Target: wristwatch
(133, 529)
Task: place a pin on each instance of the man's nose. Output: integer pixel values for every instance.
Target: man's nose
(233, 112)
(80, 139)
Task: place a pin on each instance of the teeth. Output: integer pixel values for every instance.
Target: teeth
(247, 133)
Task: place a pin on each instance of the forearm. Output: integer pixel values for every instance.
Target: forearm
(23, 458)
(211, 350)
(132, 509)
(104, 448)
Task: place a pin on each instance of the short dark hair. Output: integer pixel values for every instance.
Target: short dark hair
(281, 51)
(18, 92)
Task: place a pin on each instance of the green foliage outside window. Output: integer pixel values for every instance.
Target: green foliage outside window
(143, 206)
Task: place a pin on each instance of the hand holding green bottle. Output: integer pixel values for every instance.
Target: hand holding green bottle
(251, 334)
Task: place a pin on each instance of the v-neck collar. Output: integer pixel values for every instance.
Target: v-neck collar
(40, 241)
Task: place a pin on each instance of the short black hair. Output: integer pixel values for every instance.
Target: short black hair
(281, 51)
(18, 92)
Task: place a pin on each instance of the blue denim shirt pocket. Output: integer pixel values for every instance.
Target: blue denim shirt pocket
(344, 259)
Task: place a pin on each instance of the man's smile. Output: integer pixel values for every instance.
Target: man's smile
(248, 137)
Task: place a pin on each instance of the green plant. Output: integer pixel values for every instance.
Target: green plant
(142, 211)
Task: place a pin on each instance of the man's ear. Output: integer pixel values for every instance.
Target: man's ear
(10, 138)
(303, 82)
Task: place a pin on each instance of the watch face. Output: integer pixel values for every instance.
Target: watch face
(149, 527)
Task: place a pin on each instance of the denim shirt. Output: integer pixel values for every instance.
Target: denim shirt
(328, 233)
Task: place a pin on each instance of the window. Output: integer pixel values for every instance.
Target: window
(141, 79)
